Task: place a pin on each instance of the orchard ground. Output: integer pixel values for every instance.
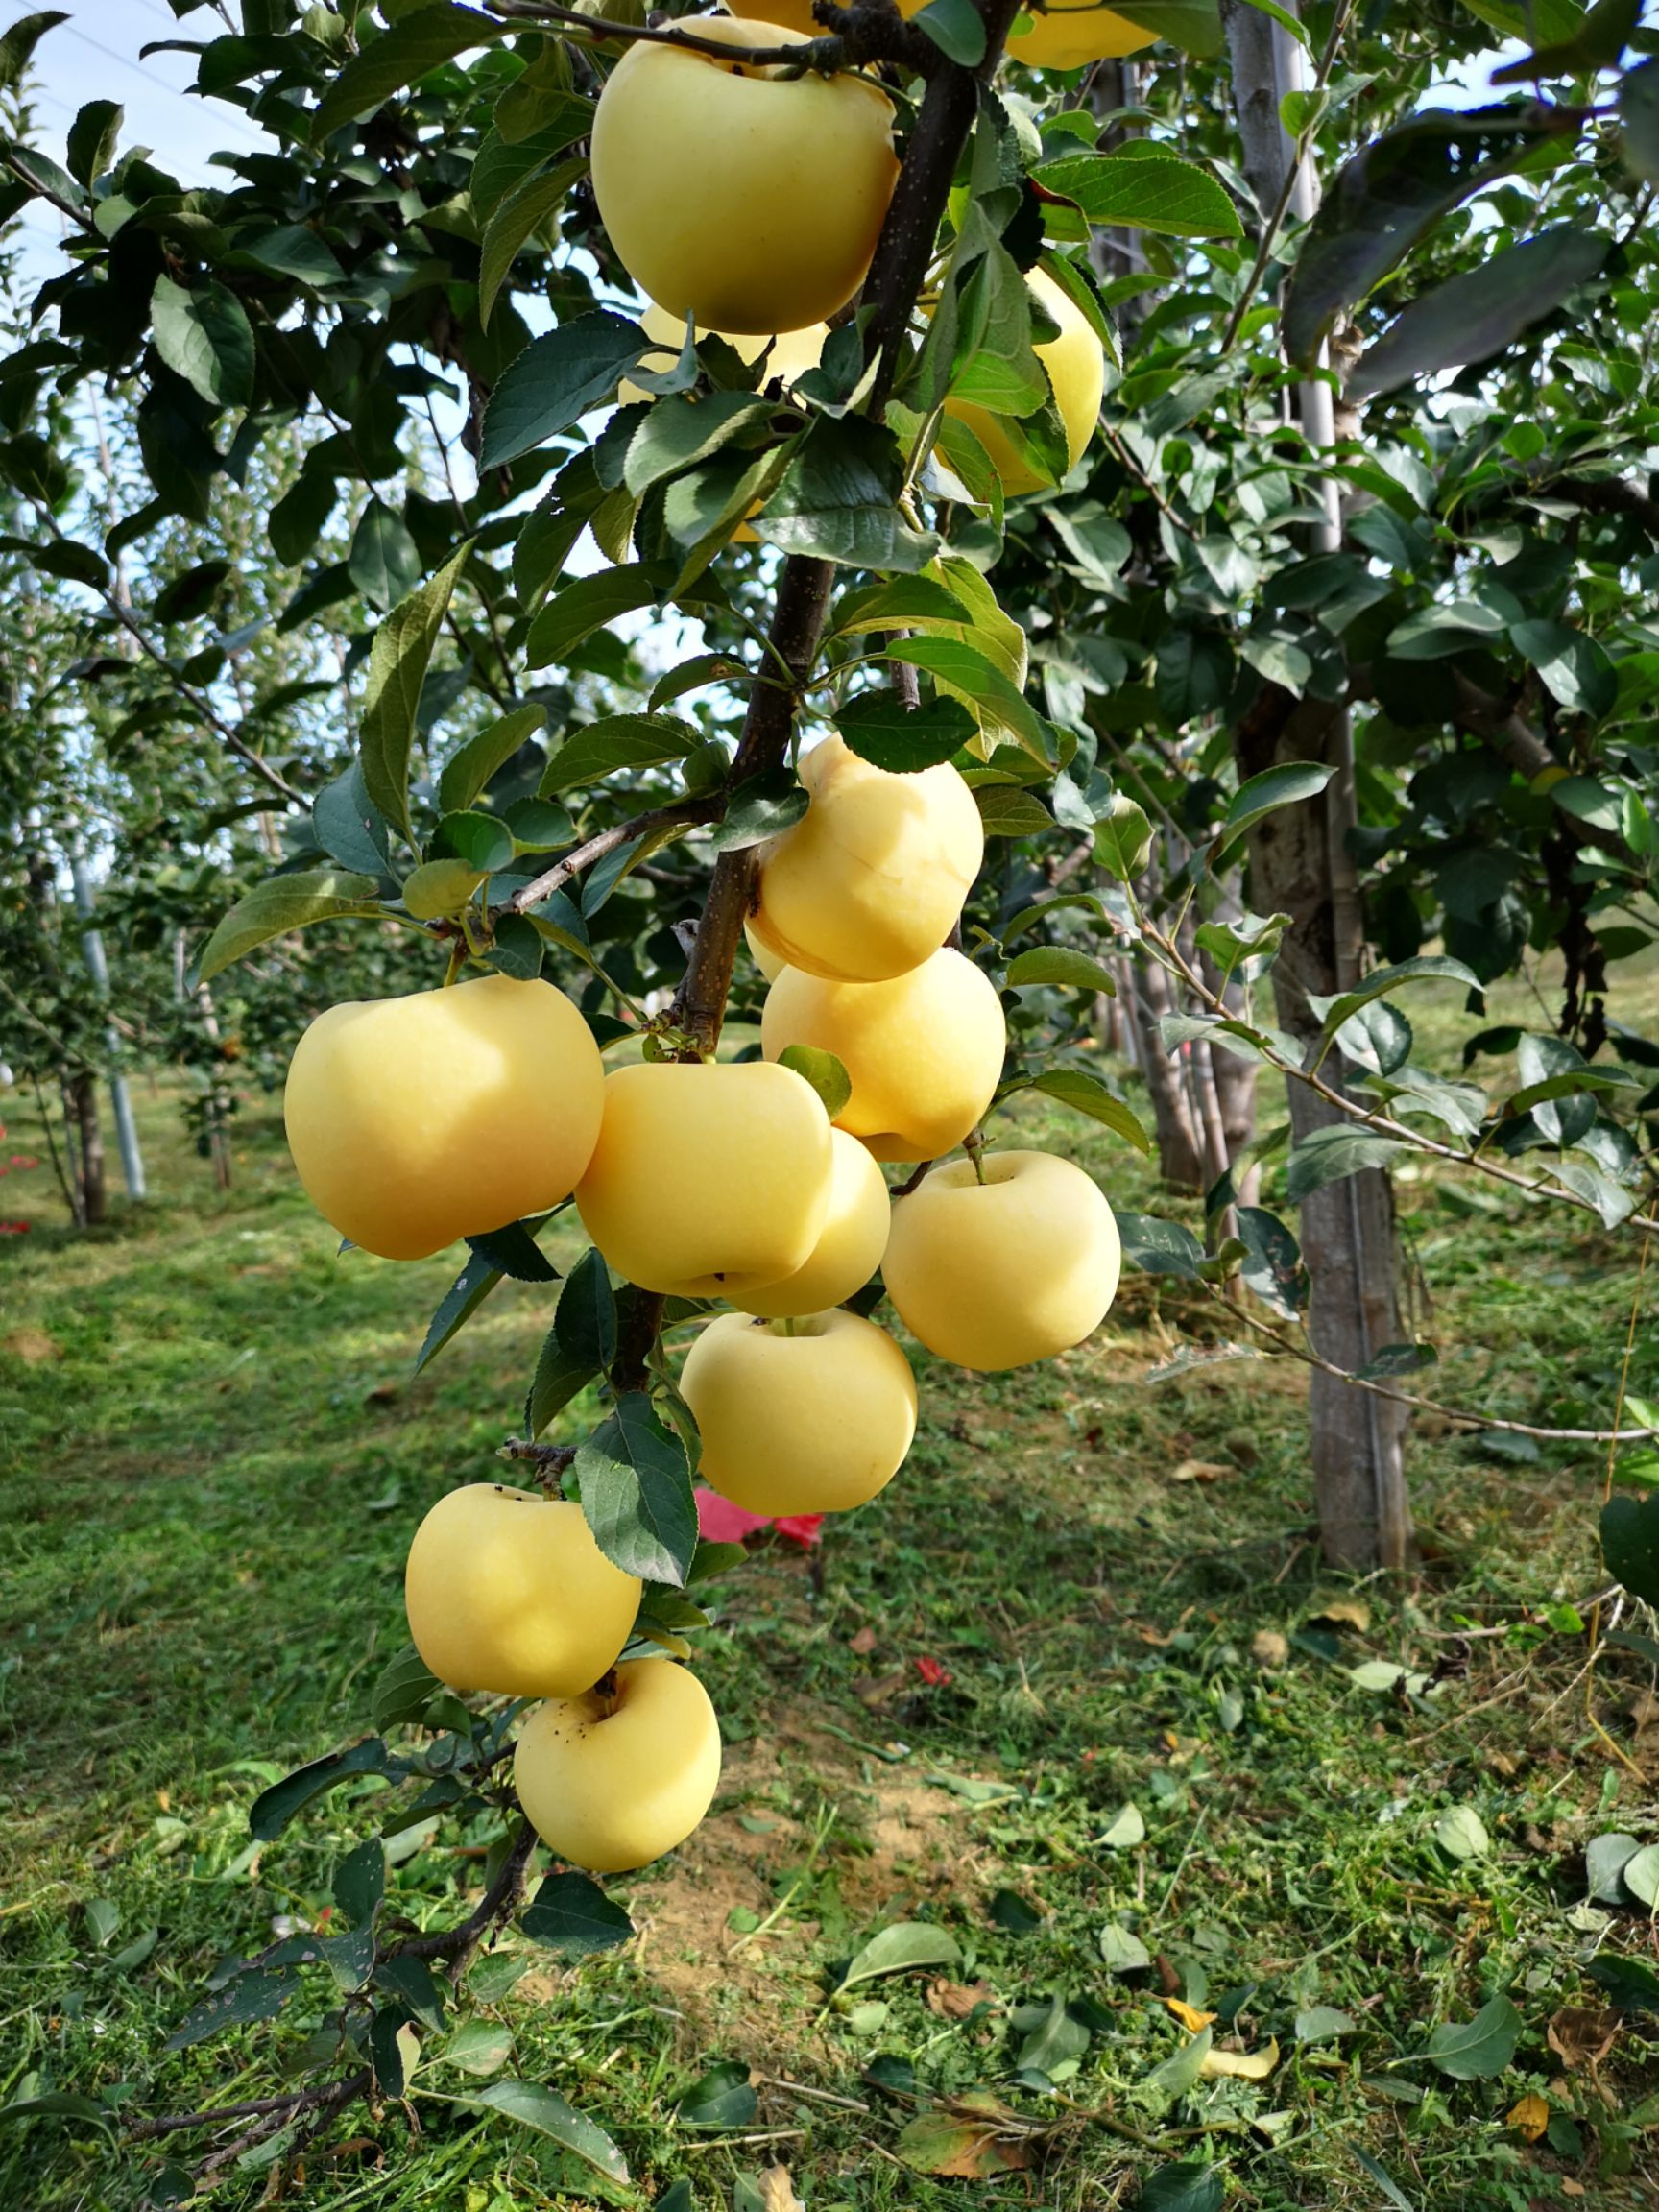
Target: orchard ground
(1091, 1588)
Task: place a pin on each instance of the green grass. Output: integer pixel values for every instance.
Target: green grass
(213, 1455)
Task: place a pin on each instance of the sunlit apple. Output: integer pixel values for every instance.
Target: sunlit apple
(850, 1244)
(1076, 369)
(613, 1778)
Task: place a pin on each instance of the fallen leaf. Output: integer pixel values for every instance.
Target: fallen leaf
(1346, 1612)
(1241, 2065)
(1189, 2015)
(1571, 2188)
(1583, 2035)
(1529, 2117)
(33, 1346)
(1200, 1471)
(967, 2139)
(777, 2191)
(955, 2000)
(1126, 1829)
(863, 1643)
(1268, 1649)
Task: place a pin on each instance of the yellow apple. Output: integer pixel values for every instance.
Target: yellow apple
(507, 1591)
(1013, 1269)
(1076, 369)
(613, 1779)
(924, 1051)
(1067, 37)
(736, 197)
(708, 1181)
(768, 962)
(870, 881)
(789, 353)
(850, 1246)
(811, 1416)
(416, 1120)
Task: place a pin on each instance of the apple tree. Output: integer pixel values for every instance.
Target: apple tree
(1319, 652)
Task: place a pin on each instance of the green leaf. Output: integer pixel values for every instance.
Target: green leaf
(1127, 1829)
(1597, 43)
(483, 841)
(1184, 2188)
(825, 1073)
(439, 889)
(275, 1808)
(1122, 839)
(478, 2047)
(685, 429)
(1630, 1544)
(556, 380)
(457, 1305)
(93, 137)
(1121, 1951)
(415, 1987)
(1461, 1833)
(1007, 811)
(1086, 1094)
(360, 1881)
(64, 557)
(1160, 1247)
(397, 659)
(1392, 2192)
(572, 1916)
(955, 27)
(57, 2105)
(1423, 968)
(1476, 2050)
(1387, 197)
(1323, 2023)
(585, 605)
(1330, 1155)
(1484, 311)
(1127, 192)
(1194, 26)
(284, 903)
(413, 46)
(384, 561)
(723, 2098)
(897, 1949)
(995, 700)
(511, 1250)
(191, 594)
(881, 728)
(250, 1997)
(203, 335)
(1181, 2070)
(760, 807)
(19, 41)
(1290, 785)
(1048, 964)
(403, 1689)
(1630, 1984)
(513, 225)
(616, 741)
(296, 250)
(548, 2114)
(1639, 120)
(469, 767)
(636, 1492)
(837, 500)
(299, 518)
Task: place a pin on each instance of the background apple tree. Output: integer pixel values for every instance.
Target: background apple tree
(384, 624)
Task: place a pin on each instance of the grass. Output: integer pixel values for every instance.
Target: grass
(213, 1455)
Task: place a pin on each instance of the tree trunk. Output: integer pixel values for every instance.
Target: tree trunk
(94, 1191)
(218, 1107)
(1301, 865)
(1180, 1141)
(98, 966)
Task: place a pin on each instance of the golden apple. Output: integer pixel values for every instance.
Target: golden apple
(924, 1051)
(768, 962)
(998, 1273)
(1067, 37)
(507, 1591)
(871, 879)
(615, 1778)
(739, 198)
(1076, 371)
(708, 1181)
(811, 1416)
(850, 1246)
(416, 1120)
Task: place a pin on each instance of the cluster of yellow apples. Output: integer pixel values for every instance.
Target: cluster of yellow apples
(749, 202)
(450, 1113)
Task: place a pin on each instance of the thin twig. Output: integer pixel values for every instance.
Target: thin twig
(683, 812)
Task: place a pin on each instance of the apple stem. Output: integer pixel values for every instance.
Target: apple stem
(974, 1145)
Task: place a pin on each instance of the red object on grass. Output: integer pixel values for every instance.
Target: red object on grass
(723, 1523)
(932, 1674)
(14, 1228)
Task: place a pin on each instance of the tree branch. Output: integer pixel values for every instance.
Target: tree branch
(682, 812)
(860, 35)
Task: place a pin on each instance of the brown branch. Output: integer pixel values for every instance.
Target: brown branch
(685, 811)
(1608, 496)
(860, 35)
(1507, 733)
(459, 1945)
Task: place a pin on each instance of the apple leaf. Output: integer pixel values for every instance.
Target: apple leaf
(571, 1914)
(636, 1492)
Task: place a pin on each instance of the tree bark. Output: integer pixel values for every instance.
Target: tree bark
(1301, 864)
(94, 1188)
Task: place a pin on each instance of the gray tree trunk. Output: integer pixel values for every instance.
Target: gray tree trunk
(1301, 865)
